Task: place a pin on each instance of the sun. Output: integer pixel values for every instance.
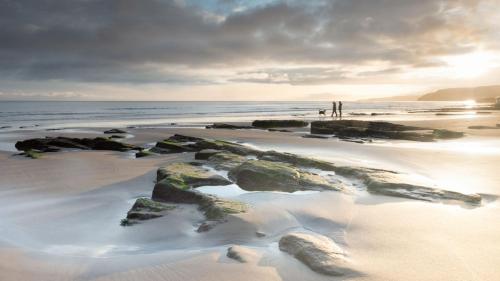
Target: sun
(470, 65)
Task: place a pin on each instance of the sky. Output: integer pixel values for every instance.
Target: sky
(244, 50)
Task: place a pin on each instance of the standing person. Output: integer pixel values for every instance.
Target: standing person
(340, 109)
(334, 109)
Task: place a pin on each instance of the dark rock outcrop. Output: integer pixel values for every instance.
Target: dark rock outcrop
(173, 147)
(309, 136)
(115, 131)
(227, 126)
(376, 129)
(183, 138)
(479, 127)
(279, 123)
(50, 144)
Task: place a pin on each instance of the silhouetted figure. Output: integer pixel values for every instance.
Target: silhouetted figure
(340, 108)
(334, 109)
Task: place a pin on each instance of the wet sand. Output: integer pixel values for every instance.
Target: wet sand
(60, 214)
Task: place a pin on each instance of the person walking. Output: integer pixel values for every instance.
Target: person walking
(340, 109)
(334, 109)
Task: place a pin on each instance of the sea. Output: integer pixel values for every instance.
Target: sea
(20, 115)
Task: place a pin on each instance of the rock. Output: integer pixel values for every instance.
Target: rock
(315, 137)
(392, 184)
(335, 125)
(175, 184)
(5, 127)
(261, 175)
(43, 143)
(374, 129)
(204, 154)
(51, 144)
(225, 145)
(33, 154)
(206, 226)
(395, 184)
(172, 147)
(143, 153)
(217, 209)
(158, 150)
(446, 134)
(279, 123)
(116, 137)
(242, 254)
(227, 126)
(183, 138)
(381, 113)
(354, 140)
(189, 175)
(318, 252)
(483, 127)
(296, 160)
(115, 131)
(107, 144)
(145, 209)
(225, 160)
(260, 234)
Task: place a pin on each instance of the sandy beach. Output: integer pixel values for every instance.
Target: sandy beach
(60, 215)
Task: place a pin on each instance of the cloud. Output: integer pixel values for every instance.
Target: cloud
(200, 42)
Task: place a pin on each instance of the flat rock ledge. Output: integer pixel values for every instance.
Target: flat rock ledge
(54, 144)
(318, 252)
(348, 129)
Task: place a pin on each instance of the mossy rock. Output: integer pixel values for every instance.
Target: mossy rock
(225, 160)
(145, 209)
(447, 134)
(33, 154)
(225, 145)
(261, 175)
(143, 153)
(173, 146)
(115, 131)
(297, 160)
(187, 175)
(217, 209)
(391, 184)
(204, 154)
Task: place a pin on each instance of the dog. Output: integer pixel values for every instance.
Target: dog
(322, 112)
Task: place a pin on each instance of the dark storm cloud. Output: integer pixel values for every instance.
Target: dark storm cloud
(147, 41)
